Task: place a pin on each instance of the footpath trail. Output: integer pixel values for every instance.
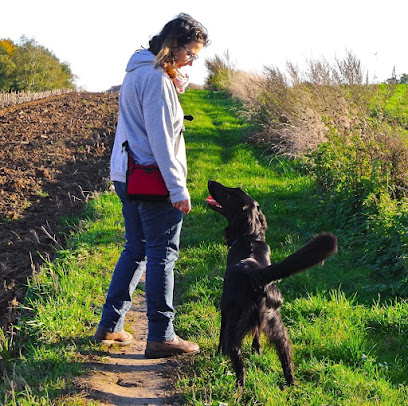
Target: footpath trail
(123, 377)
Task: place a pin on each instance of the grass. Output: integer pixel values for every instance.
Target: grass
(346, 350)
(350, 344)
(61, 310)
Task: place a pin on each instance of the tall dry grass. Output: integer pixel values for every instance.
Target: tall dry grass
(298, 110)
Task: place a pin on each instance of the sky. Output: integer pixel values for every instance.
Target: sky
(97, 37)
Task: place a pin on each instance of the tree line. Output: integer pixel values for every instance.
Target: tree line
(29, 66)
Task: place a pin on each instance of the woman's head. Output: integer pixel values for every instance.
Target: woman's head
(178, 42)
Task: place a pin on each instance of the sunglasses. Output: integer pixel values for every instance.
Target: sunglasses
(191, 56)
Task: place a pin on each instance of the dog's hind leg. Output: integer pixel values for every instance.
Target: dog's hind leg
(283, 347)
(278, 335)
(256, 342)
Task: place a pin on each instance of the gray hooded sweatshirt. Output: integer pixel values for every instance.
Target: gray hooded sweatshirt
(151, 120)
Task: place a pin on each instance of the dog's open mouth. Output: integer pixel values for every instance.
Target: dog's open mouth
(212, 202)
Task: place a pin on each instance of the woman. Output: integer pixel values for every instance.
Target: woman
(151, 121)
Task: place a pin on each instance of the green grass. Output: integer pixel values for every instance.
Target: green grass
(350, 344)
(346, 349)
(395, 103)
(62, 307)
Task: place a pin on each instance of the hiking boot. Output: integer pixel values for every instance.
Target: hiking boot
(110, 338)
(177, 346)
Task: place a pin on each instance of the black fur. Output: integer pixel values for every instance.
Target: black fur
(251, 302)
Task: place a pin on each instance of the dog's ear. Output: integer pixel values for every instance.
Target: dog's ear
(262, 219)
(253, 220)
(241, 224)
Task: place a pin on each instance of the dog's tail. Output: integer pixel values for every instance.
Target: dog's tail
(315, 252)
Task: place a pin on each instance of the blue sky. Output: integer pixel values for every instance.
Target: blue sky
(97, 38)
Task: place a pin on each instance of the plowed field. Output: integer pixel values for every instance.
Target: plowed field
(54, 155)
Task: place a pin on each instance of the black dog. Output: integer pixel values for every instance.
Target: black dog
(250, 301)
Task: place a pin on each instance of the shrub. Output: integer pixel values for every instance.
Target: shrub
(364, 124)
(220, 70)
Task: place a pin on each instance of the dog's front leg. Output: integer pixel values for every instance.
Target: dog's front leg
(238, 365)
(221, 344)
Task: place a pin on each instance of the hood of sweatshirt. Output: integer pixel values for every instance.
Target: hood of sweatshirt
(140, 58)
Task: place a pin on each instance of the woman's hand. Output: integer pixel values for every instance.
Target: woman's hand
(183, 205)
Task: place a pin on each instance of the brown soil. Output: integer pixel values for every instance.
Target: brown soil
(54, 156)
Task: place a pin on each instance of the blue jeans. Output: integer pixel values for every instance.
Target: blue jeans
(152, 243)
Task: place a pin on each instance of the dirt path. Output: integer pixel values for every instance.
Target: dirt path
(123, 377)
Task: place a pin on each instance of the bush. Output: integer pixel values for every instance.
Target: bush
(364, 124)
(220, 71)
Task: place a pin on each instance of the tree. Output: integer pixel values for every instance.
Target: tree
(403, 78)
(7, 65)
(29, 66)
